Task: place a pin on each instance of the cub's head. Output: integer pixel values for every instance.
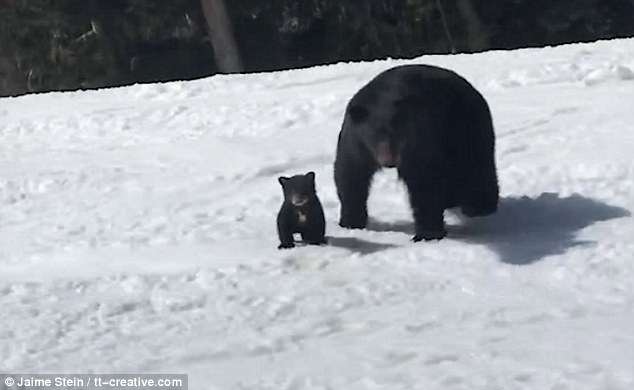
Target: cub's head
(298, 189)
(381, 137)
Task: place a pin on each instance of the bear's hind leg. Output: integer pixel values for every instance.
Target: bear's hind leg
(483, 195)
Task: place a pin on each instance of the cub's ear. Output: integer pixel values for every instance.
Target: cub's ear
(283, 180)
(358, 113)
(311, 175)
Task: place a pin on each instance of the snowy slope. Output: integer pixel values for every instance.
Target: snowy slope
(137, 231)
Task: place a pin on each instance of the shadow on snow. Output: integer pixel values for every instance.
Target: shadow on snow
(525, 230)
(357, 245)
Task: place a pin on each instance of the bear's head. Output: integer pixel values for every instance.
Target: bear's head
(299, 190)
(381, 138)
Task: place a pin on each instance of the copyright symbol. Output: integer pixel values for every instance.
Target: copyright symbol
(9, 381)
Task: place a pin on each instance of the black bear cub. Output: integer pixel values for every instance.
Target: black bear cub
(301, 212)
(436, 129)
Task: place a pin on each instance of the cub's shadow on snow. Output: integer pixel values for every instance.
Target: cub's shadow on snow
(525, 230)
(357, 245)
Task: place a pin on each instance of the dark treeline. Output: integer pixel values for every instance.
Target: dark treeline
(69, 44)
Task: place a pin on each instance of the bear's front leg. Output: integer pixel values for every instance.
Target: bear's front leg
(353, 186)
(428, 205)
(284, 230)
(314, 235)
(315, 232)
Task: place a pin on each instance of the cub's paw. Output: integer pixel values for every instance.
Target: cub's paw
(429, 235)
(287, 245)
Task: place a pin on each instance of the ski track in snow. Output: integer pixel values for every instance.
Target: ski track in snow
(138, 234)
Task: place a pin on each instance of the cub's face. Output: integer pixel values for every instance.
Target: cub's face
(298, 189)
(380, 137)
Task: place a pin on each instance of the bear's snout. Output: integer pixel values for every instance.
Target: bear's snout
(386, 157)
(299, 200)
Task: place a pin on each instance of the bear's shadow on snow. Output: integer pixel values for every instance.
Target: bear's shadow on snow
(525, 230)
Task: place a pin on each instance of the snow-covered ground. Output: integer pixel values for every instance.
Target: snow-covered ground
(137, 234)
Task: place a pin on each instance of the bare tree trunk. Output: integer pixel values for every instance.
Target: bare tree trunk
(222, 38)
(445, 26)
(476, 34)
(12, 81)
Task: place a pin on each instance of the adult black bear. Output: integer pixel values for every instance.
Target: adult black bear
(436, 129)
(301, 212)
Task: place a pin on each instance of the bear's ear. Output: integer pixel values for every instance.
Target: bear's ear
(283, 180)
(311, 176)
(358, 113)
